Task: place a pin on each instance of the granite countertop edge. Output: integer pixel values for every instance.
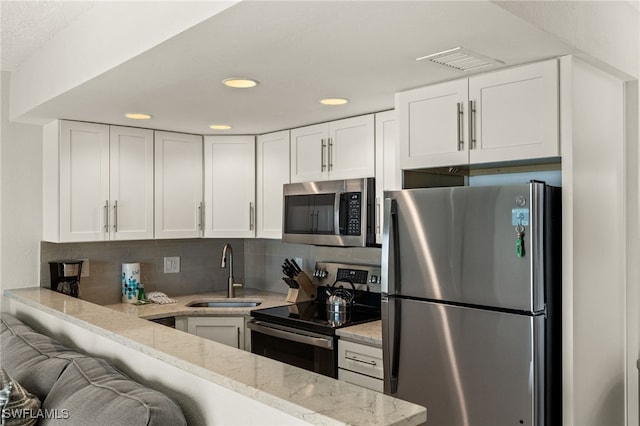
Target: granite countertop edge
(330, 401)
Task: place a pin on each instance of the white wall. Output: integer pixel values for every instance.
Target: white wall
(20, 199)
(605, 32)
(595, 308)
(632, 94)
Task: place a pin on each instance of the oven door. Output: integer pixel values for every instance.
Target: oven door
(304, 349)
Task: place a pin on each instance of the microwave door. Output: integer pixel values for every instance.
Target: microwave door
(300, 214)
(325, 214)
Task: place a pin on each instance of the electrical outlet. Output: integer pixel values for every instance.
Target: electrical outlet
(172, 265)
(85, 268)
(300, 262)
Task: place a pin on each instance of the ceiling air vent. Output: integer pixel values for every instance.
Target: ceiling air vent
(461, 59)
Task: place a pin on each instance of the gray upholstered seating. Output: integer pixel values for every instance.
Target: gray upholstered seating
(87, 390)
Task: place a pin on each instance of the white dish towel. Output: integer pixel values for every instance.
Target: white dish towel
(160, 298)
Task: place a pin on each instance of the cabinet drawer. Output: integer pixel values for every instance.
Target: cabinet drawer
(361, 380)
(360, 358)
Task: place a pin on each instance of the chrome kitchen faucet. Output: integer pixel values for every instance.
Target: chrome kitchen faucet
(231, 286)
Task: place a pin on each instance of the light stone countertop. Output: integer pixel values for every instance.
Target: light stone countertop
(311, 397)
(153, 310)
(369, 333)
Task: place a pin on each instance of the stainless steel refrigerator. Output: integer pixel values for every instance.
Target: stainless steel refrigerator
(471, 301)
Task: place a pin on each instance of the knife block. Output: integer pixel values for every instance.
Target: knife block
(306, 290)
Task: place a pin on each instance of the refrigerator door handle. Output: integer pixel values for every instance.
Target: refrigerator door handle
(391, 348)
(390, 255)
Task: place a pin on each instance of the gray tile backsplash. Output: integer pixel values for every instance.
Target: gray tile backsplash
(264, 258)
(199, 265)
(257, 264)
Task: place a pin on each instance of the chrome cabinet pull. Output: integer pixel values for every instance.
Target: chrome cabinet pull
(201, 216)
(115, 216)
(251, 215)
(460, 130)
(106, 216)
(322, 162)
(472, 125)
(364, 361)
(330, 154)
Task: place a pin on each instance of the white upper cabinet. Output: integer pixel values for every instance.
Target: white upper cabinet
(178, 185)
(432, 126)
(309, 153)
(341, 149)
(76, 163)
(98, 182)
(506, 115)
(272, 168)
(131, 183)
(388, 173)
(516, 114)
(229, 186)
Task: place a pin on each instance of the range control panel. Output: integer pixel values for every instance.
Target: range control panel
(364, 277)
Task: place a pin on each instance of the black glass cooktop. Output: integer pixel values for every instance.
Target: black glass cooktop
(312, 316)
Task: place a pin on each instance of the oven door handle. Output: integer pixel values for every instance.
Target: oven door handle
(293, 335)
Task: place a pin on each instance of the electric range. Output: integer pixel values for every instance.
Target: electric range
(301, 334)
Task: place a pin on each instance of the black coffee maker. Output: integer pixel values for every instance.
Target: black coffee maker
(65, 276)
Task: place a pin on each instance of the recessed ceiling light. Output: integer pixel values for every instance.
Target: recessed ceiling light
(138, 116)
(220, 127)
(240, 83)
(334, 101)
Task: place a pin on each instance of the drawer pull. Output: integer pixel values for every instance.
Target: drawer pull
(372, 363)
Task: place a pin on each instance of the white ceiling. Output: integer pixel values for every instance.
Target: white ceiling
(300, 51)
(26, 26)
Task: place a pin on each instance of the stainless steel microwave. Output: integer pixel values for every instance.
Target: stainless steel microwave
(330, 213)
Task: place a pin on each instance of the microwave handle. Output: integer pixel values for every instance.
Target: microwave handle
(336, 214)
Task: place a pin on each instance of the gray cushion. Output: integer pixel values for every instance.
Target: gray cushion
(33, 359)
(8, 321)
(93, 392)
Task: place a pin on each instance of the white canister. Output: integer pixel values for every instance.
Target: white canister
(130, 282)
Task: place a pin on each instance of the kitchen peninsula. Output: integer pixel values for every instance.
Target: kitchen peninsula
(213, 383)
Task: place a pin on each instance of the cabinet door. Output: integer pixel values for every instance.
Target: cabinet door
(225, 330)
(229, 205)
(131, 183)
(84, 181)
(272, 173)
(433, 125)
(351, 148)
(309, 153)
(178, 185)
(516, 114)
(388, 173)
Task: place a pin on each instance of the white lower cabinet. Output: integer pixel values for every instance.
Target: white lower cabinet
(360, 364)
(226, 330)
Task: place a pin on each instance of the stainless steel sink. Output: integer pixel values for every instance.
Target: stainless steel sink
(223, 303)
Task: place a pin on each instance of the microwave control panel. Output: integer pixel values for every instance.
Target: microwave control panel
(354, 211)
